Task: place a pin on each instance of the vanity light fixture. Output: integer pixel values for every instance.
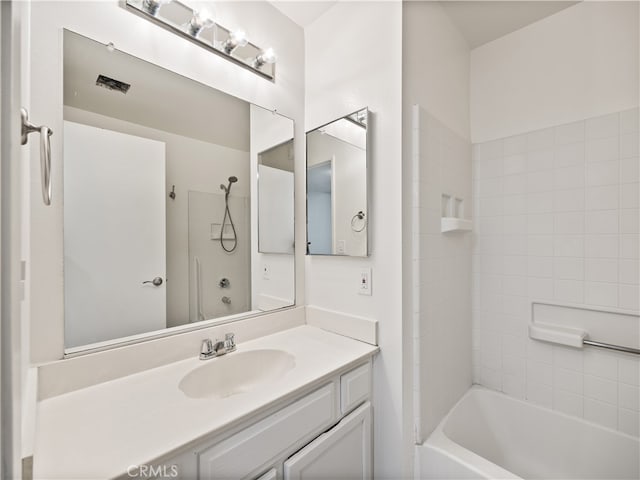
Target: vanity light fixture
(191, 23)
(237, 38)
(267, 56)
(201, 19)
(153, 6)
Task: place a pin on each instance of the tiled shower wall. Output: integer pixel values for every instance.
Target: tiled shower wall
(441, 272)
(556, 220)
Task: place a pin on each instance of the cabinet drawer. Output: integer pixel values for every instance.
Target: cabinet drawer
(246, 452)
(355, 388)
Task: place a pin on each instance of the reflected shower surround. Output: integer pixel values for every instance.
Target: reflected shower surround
(199, 26)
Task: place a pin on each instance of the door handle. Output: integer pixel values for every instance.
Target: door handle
(45, 152)
(156, 281)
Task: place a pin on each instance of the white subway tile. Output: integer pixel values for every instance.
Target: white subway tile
(539, 352)
(629, 422)
(514, 224)
(601, 389)
(514, 245)
(567, 402)
(629, 397)
(569, 155)
(514, 164)
(601, 294)
(603, 197)
(602, 222)
(489, 187)
(630, 221)
(515, 265)
(489, 167)
(540, 160)
(569, 380)
(601, 413)
(514, 365)
(629, 246)
(540, 224)
(540, 288)
(568, 358)
(602, 149)
(514, 204)
(629, 370)
(513, 346)
(540, 267)
(490, 206)
(602, 173)
(629, 297)
(571, 291)
(629, 145)
(603, 126)
(630, 195)
(513, 385)
(540, 394)
(540, 245)
(629, 271)
(540, 139)
(570, 133)
(514, 145)
(515, 286)
(491, 378)
(543, 181)
(568, 200)
(515, 306)
(541, 202)
(538, 372)
(601, 246)
(600, 364)
(568, 268)
(515, 184)
(629, 121)
(601, 270)
(569, 223)
(630, 170)
(568, 245)
(568, 177)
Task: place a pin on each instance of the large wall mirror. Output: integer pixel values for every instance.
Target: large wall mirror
(161, 212)
(337, 183)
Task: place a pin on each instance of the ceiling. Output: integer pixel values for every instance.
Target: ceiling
(479, 21)
(483, 21)
(158, 98)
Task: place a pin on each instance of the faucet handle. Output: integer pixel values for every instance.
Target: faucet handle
(230, 341)
(206, 348)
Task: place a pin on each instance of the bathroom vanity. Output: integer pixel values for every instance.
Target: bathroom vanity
(293, 404)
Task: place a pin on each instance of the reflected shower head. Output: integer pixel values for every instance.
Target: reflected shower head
(227, 189)
(233, 179)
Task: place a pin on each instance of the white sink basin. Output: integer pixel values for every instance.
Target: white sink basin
(236, 373)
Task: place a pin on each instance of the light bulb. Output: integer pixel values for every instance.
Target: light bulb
(201, 19)
(153, 6)
(266, 56)
(237, 38)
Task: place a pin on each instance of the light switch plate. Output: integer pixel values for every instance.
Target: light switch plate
(364, 281)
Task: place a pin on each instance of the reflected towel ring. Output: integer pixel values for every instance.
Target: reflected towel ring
(358, 216)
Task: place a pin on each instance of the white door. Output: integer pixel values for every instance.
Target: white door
(344, 452)
(114, 234)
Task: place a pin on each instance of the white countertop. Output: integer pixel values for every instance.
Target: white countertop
(97, 432)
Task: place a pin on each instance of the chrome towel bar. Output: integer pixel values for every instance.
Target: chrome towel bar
(609, 346)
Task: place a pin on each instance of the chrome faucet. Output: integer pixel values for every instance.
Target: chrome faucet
(211, 349)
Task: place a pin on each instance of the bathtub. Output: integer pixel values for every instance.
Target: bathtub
(491, 435)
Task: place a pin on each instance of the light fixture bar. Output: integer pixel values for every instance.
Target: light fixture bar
(184, 21)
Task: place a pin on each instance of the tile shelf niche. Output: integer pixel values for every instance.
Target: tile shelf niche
(453, 215)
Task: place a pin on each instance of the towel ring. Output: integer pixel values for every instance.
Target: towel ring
(358, 216)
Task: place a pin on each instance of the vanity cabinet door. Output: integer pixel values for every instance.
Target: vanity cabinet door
(342, 452)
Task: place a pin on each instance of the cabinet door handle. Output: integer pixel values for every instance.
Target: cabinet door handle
(45, 152)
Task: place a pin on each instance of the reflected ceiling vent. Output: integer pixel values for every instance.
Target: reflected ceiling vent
(112, 84)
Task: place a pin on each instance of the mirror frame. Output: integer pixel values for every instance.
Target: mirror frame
(368, 175)
(72, 352)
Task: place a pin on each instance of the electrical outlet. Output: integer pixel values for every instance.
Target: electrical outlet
(266, 272)
(364, 284)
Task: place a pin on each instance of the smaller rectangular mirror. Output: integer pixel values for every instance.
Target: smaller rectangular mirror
(337, 187)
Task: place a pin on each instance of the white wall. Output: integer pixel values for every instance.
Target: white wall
(353, 60)
(557, 222)
(579, 63)
(109, 22)
(192, 165)
(435, 75)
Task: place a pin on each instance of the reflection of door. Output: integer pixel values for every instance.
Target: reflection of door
(320, 208)
(114, 234)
